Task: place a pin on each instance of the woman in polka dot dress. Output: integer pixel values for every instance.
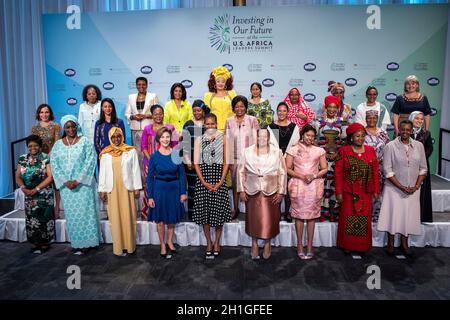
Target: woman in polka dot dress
(211, 201)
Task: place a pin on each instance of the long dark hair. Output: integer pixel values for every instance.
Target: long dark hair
(113, 113)
(259, 87)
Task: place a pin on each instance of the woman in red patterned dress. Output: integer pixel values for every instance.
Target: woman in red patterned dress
(356, 182)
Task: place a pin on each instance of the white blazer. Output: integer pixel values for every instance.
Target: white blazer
(131, 173)
(150, 99)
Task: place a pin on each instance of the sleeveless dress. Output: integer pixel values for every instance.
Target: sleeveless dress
(212, 208)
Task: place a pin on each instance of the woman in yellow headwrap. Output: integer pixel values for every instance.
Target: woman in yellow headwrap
(220, 94)
(119, 184)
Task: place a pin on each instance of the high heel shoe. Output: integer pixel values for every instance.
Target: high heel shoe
(209, 254)
(173, 251)
(266, 257)
(165, 255)
(217, 252)
(255, 257)
(406, 251)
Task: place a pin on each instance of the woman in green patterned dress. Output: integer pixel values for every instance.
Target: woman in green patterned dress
(259, 107)
(34, 177)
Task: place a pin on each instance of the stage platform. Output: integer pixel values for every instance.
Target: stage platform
(436, 234)
(440, 193)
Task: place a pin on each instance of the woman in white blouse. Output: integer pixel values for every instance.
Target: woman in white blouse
(405, 168)
(138, 113)
(89, 111)
(261, 183)
(119, 185)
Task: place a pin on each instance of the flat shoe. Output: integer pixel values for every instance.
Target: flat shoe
(266, 257)
(302, 256)
(309, 256)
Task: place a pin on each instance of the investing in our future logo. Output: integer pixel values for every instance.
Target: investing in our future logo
(219, 34)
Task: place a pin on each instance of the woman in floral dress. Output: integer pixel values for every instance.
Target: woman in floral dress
(34, 177)
(258, 107)
(331, 134)
(377, 138)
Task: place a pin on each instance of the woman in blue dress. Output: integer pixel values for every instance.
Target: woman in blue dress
(73, 166)
(166, 187)
(108, 119)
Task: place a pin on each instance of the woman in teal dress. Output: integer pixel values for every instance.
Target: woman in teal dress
(73, 163)
(34, 177)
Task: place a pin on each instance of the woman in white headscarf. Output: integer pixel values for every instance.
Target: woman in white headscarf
(424, 136)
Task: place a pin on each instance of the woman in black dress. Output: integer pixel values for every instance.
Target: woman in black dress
(424, 136)
(284, 134)
(411, 100)
(191, 130)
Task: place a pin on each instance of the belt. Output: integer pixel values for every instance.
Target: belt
(166, 179)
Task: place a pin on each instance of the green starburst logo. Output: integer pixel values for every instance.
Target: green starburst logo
(219, 34)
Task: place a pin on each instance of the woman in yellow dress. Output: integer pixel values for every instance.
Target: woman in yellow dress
(220, 95)
(119, 185)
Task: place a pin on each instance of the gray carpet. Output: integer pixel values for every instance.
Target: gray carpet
(144, 275)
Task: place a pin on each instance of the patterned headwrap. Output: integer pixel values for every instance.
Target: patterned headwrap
(200, 104)
(115, 151)
(372, 113)
(70, 117)
(331, 83)
(221, 72)
(353, 128)
(300, 106)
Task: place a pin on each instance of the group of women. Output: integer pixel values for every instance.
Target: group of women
(330, 167)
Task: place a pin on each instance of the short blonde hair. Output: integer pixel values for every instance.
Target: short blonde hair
(414, 79)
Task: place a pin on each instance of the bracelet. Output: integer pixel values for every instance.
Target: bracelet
(38, 189)
(22, 187)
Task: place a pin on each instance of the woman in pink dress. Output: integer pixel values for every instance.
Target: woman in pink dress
(303, 161)
(240, 131)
